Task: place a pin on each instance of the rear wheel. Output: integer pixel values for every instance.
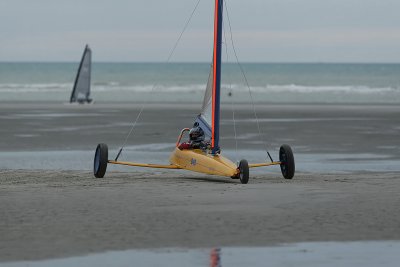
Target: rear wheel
(100, 160)
(244, 171)
(287, 161)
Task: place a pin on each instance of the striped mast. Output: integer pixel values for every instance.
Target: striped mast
(216, 92)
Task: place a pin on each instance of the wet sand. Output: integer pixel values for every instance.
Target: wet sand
(353, 129)
(47, 214)
(59, 213)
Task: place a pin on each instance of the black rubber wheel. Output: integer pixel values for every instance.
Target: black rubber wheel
(287, 161)
(244, 171)
(100, 161)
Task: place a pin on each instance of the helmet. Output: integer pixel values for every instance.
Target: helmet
(196, 134)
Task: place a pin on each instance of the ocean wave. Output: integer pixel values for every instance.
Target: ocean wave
(195, 88)
(35, 87)
(192, 88)
(99, 87)
(324, 89)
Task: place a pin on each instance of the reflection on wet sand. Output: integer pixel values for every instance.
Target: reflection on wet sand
(215, 257)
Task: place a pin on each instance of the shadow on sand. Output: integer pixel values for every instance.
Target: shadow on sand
(214, 179)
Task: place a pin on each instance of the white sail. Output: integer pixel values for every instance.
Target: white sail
(81, 90)
(204, 120)
(206, 110)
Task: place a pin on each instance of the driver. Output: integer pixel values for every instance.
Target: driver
(196, 140)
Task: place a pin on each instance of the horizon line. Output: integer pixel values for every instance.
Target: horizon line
(206, 62)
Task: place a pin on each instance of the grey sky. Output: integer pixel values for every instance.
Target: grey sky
(145, 30)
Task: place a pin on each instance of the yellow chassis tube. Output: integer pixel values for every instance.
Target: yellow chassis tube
(266, 164)
(146, 165)
(157, 166)
(171, 166)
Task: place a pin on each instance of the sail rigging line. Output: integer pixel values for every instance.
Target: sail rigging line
(230, 91)
(155, 85)
(247, 83)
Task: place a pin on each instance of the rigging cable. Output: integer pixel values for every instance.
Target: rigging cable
(230, 91)
(247, 83)
(155, 85)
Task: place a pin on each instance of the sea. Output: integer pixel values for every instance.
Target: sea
(177, 82)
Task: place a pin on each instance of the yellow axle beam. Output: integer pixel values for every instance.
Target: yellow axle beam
(256, 165)
(157, 166)
(146, 165)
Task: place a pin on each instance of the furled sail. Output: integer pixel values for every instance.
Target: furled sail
(81, 91)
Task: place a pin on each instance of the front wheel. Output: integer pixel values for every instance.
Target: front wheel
(287, 161)
(100, 160)
(244, 171)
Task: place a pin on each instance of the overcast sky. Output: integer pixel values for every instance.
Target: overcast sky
(145, 30)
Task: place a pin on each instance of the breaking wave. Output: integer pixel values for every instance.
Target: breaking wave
(38, 87)
(321, 89)
(193, 88)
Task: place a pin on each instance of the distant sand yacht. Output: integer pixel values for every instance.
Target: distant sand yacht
(81, 91)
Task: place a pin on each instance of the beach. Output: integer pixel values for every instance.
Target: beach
(319, 78)
(51, 206)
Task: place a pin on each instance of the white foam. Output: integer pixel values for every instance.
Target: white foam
(194, 88)
(26, 135)
(54, 115)
(301, 119)
(321, 89)
(34, 88)
(150, 147)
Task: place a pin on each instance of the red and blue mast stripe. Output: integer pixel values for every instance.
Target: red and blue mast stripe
(216, 76)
